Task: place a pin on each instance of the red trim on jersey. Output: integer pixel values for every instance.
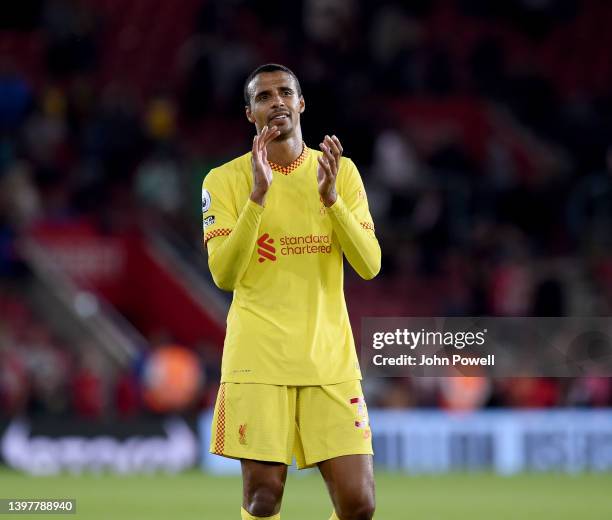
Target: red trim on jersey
(286, 170)
(222, 232)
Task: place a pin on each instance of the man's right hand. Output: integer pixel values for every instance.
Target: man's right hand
(262, 173)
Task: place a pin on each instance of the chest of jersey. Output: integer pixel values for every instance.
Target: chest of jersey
(295, 216)
(295, 225)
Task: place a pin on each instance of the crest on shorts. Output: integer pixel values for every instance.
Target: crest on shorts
(242, 434)
(362, 421)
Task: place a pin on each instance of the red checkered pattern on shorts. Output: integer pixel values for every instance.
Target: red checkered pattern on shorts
(220, 433)
(223, 232)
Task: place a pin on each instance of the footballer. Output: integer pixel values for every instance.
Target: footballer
(278, 222)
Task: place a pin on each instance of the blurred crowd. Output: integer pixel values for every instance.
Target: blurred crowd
(483, 131)
(40, 375)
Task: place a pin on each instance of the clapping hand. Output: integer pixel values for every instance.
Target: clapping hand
(262, 173)
(327, 171)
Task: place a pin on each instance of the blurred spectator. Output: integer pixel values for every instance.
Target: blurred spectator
(590, 391)
(171, 379)
(396, 40)
(464, 394)
(399, 172)
(45, 131)
(14, 384)
(89, 392)
(589, 208)
(18, 195)
(127, 395)
(15, 96)
(158, 183)
(160, 119)
(70, 29)
(529, 392)
(115, 134)
(48, 372)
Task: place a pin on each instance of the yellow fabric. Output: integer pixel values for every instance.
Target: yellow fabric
(358, 244)
(245, 515)
(230, 259)
(334, 516)
(288, 323)
(277, 423)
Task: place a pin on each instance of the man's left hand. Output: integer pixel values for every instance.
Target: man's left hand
(327, 171)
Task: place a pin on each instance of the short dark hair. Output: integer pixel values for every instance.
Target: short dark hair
(268, 67)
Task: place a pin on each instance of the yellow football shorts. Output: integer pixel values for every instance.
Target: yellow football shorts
(275, 423)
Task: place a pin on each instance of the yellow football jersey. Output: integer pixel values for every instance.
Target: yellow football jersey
(288, 323)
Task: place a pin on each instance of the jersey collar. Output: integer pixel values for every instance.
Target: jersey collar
(286, 170)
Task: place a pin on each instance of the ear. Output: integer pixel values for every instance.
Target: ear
(302, 105)
(249, 114)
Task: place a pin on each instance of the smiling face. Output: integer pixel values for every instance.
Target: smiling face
(274, 101)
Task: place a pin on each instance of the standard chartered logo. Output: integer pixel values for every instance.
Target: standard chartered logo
(265, 248)
(292, 245)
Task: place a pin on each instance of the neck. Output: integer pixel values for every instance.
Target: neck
(286, 151)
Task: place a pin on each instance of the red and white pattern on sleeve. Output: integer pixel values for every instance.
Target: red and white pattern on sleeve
(367, 225)
(221, 232)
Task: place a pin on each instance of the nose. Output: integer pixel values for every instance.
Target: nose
(277, 101)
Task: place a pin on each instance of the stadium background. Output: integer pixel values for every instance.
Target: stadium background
(483, 132)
